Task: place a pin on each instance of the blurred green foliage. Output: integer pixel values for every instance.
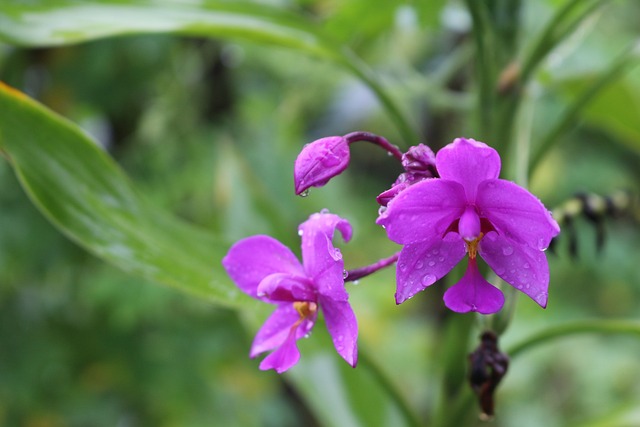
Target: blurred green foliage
(208, 129)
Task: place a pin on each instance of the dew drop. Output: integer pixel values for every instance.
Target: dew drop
(541, 244)
(419, 265)
(324, 211)
(526, 265)
(305, 193)
(507, 250)
(300, 232)
(428, 279)
(403, 267)
(500, 271)
(441, 259)
(345, 274)
(435, 251)
(432, 263)
(527, 286)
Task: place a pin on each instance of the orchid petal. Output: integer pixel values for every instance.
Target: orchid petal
(280, 287)
(326, 269)
(515, 213)
(421, 264)
(468, 162)
(285, 356)
(325, 223)
(323, 262)
(320, 161)
(343, 327)
(424, 211)
(275, 329)
(252, 259)
(522, 266)
(473, 293)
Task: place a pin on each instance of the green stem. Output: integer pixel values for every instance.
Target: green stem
(407, 413)
(619, 67)
(455, 348)
(625, 327)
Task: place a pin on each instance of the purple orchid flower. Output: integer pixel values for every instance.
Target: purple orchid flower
(325, 158)
(419, 163)
(469, 210)
(267, 270)
(320, 161)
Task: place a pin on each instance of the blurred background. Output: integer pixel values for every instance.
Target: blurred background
(209, 129)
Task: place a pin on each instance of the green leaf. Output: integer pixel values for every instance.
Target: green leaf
(61, 22)
(79, 188)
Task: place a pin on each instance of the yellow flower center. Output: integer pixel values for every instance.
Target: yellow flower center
(305, 308)
(472, 246)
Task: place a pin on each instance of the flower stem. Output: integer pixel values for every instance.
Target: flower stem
(408, 414)
(375, 139)
(626, 327)
(358, 273)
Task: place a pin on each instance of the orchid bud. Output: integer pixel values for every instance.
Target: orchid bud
(320, 161)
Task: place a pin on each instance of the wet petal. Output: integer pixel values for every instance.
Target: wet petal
(473, 293)
(468, 162)
(326, 269)
(315, 251)
(285, 356)
(421, 264)
(252, 259)
(423, 211)
(280, 287)
(515, 213)
(522, 266)
(320, 161)
(343, 327)
(275, 330)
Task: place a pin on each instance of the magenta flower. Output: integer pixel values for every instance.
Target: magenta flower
(320, 161)
(469, 210)
(419, 163)
(267, 270)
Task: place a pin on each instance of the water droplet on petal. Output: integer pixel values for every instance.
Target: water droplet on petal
(300, 232)
(507, 250)
(305, 193)
(428, 279)
(345, 274)
(526, 265)
(499, 271)
(419, 265)
(432, 263)
(435, 251)
(542, 244)
(441, 259)
(402, 266)
(324, 211)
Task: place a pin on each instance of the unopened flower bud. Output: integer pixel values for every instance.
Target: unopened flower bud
(320, 161)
